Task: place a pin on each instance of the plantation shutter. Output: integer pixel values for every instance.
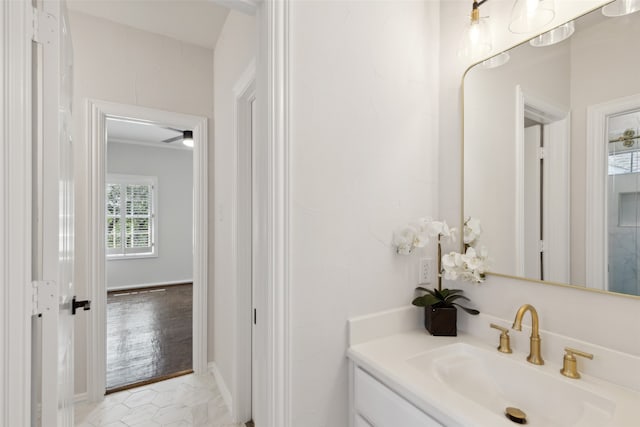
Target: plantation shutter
(130, 217)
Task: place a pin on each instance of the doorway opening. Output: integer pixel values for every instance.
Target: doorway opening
(543, 173)
(148, 249)
(149, 259)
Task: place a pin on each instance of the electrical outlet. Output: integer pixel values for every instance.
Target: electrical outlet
(426, 272)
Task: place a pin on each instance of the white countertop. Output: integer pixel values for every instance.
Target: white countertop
(386, 359)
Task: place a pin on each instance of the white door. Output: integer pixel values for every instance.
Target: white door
(53, 206)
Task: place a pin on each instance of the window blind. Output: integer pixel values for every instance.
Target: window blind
(130, 218)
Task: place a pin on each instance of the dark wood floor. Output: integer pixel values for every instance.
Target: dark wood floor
(149, 334)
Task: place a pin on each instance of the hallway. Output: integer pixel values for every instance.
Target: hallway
(185, 401)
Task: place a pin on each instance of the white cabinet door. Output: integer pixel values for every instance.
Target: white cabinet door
(53, 231)
(382, 407)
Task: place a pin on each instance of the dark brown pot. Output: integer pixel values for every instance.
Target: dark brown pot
(441, 321)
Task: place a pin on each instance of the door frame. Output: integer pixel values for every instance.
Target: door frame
(544, 112)
(96, 113)
(15, 214)
(597, 249)
(242, 196)
(272, 164)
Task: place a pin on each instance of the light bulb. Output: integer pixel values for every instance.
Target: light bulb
(476, 41)
(187, 138)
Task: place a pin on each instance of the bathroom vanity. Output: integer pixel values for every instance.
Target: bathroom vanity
(402, 376)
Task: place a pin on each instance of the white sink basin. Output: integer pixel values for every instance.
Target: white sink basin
(496, 381)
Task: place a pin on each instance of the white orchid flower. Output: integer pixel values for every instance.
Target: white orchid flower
(472, 230)
(404, 239)
(469, 266)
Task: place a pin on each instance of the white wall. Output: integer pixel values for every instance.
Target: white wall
(235, 50)
(364, 160)
(174, 216)
(607, 320)
(121, 64)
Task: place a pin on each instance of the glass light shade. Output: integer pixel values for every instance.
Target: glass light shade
(621, 7)
(496, 61)
(530, 15)
(476, 40)
(554, 36)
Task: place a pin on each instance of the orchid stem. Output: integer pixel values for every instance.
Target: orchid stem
(439, 264)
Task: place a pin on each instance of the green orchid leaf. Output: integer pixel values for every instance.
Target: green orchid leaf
(418, 302)
(472, 311)
(438, 294)
(452, 298)
(431, 300)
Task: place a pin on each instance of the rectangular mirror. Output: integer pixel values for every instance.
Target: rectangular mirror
(552, 155)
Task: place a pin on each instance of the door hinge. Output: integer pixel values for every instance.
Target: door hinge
(44, 26)
(44, 297)
(541, 153)
(541, 246)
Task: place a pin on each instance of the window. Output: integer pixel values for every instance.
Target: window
(130, 216)
(624, 162)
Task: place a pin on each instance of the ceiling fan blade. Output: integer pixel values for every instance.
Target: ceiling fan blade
(175, 138)
(173, 129)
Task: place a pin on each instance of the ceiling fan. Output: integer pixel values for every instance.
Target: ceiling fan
(185, 135)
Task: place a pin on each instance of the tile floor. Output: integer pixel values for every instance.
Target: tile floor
(187, 401)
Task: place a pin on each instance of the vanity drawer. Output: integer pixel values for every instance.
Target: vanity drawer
(383, 407)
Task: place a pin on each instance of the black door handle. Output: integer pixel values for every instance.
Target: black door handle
(85, 305)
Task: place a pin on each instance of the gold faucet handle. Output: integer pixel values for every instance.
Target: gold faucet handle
(505, 346)
(570, 364)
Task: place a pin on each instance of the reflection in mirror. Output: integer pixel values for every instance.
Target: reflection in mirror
(623, 202)
(552, 155)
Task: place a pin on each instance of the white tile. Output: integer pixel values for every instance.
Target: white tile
(104, 415)
(188, 401)
(115, 398)
(164, 398)
(178, 424)
(140, 398)
(147, 423)
(116, 424)
(172, 414)
(140, 414)
(200, 415)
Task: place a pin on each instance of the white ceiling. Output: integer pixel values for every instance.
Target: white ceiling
(134, 132)
(197, 22)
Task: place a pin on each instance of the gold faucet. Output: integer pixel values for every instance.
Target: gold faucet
(534, 353)
(570, 364)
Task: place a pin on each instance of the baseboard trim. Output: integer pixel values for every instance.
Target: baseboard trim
(222, 386)
(149, 285)
(80, 398)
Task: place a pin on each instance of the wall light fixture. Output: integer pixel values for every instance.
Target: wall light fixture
(531, 15)
(476, 41)
(621, 7)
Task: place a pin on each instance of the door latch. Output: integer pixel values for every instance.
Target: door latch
(85, 305)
